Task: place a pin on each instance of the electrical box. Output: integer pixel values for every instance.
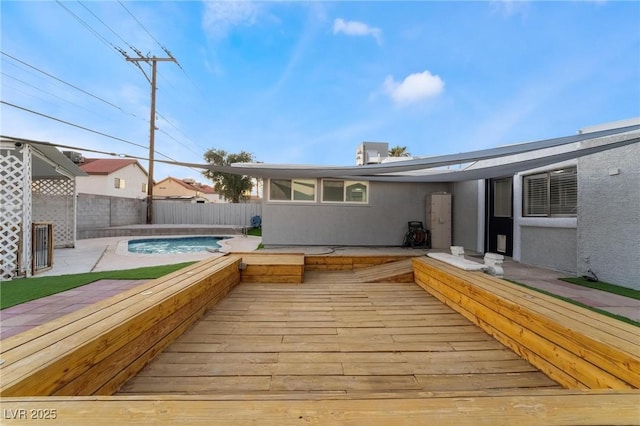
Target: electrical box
(439, 219)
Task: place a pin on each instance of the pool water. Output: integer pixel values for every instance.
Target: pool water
(174, 245)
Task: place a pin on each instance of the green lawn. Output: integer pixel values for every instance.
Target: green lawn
(256, 232)
(609, 288)
(25, 289)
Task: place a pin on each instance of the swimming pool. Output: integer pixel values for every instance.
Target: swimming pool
(173, 245)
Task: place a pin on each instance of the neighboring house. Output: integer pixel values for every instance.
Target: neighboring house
(569, 204)
(114, 177)
(186, 190)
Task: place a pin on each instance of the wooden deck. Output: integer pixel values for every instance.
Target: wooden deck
(358, 341)
(332, 336)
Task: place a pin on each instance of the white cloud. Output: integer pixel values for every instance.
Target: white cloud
(355, 28)
(508, 8)
(221, 16)
(414, 88)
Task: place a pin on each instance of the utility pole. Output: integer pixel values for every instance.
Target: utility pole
(152, 125)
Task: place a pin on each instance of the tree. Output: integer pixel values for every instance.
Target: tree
(399, 151)
(231, 186)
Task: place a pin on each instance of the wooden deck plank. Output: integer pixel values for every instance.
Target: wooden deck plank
(523, 408)
(333, 336)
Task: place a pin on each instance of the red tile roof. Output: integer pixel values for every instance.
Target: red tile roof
(105, 166)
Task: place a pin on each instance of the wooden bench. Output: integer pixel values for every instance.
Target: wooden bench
(575, 346)
(95, 350)
(273, 268)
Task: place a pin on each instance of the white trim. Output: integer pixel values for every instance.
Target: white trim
(549, 222)
(292, 200)
(346, 183)
(517, 217)
(481, 216)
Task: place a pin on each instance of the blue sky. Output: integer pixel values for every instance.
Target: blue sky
(307, 82)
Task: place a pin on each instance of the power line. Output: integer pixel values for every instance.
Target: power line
(192, 166)
(144, 28)
(87, 26)
(63, 82)
(107, 26)
(43, 91)
(98, 35)
(81, 127)
(71, 124)
(76, 88)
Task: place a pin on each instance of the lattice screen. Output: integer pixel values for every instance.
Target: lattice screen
(15, 211)
(53, 201)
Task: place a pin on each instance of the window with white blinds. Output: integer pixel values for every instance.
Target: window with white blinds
(553, 193)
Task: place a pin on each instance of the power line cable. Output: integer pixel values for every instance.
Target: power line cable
(44, 91)
(87, 26)
(145, 29)
(167, 51)
(107, 26)
(64, 82)
(173, 162)
(98, 35)
(81, 127)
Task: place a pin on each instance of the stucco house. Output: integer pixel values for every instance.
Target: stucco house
(113, 177)
(185, 190)
(571, 203)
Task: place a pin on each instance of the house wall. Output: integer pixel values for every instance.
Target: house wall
(382, 222)
(551, 248)
(133, 176)
(465, 207)
(609, 216)
(170, 187)
(547, 242)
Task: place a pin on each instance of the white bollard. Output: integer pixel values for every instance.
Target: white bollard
(494, 264)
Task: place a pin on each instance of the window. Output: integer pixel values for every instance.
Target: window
(118, 183)
(341, 191)
(553, 193)
(292, 189)
(502, 197)
(145, 186)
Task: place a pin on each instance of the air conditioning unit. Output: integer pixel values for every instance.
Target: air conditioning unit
(74, 156)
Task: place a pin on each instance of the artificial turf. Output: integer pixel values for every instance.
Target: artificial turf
(609, 288)
(23, 290)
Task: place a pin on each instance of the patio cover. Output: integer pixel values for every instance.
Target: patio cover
(539, 153)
